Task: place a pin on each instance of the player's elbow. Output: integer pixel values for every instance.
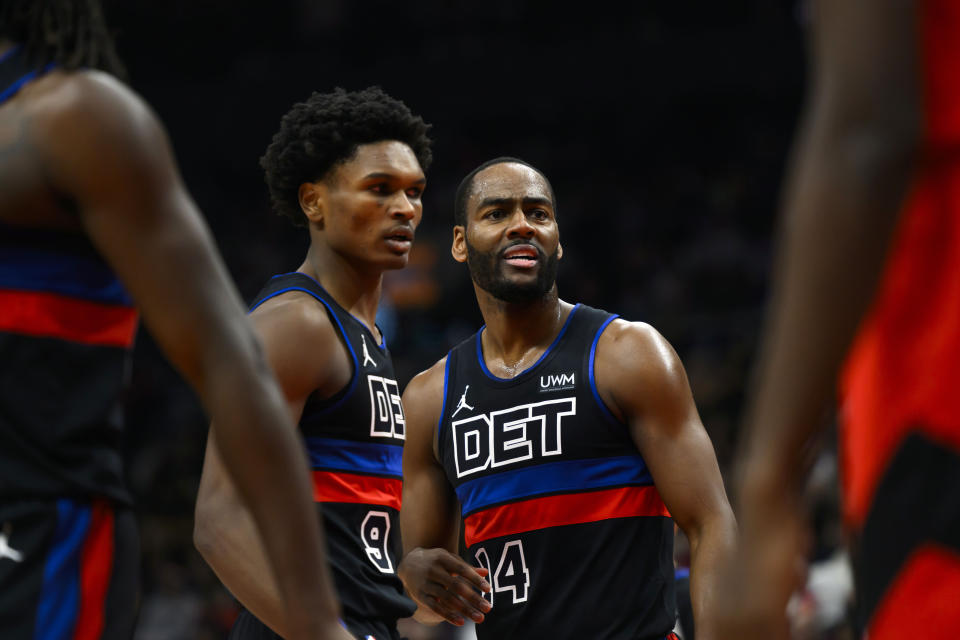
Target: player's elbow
(204, 538)
(716, 526)
(208, 522)
(204, 532)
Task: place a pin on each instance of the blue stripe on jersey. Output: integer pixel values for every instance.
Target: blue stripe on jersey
(556, 477)
(353, 354)
(355, 457)
(446, 380)
(77, 276)
(60, 595)
(483, 364)
(10, 91)
(593, 380)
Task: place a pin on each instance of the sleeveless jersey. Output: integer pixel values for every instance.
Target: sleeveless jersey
(355, 442)
(556, 501)
(900, 388)
(67, 327)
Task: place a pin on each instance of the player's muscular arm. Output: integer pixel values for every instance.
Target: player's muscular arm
(440, 582)
(305, 354)
(642, 381)
(107, 152)
(853, 159)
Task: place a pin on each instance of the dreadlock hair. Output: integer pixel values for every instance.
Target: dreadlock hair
(321, 133)
(465, 190)
(69, 33)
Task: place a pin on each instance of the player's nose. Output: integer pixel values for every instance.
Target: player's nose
(402, 207)
(520, 226)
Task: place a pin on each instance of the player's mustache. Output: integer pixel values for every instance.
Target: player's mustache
(541, 254)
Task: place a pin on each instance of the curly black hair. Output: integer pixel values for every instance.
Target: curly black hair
(317, 135)
(465, 189)
(71, 34)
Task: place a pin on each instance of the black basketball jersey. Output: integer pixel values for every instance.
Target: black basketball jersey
(355, 442)
(67, 327)
(556, 500)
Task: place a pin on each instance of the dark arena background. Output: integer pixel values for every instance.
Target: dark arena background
(663, 126)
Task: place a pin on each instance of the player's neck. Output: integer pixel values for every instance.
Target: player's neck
(518, 332)
(355, 289)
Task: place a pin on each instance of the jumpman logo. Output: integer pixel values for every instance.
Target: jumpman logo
(6, 551)
(463, 402)
(366, 354)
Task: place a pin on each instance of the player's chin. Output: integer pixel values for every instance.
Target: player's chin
(522, 280)
(396, 260)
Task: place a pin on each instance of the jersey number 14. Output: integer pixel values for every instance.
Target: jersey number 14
(511, 574)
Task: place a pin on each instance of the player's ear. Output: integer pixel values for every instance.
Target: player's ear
(312, 196)
(559, 251)
(459, 247)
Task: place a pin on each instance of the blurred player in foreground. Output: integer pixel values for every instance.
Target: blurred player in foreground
(95, 222)
(865, 301)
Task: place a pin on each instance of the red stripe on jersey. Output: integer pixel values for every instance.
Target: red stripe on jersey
(924, 594)
(350, 487)
(557, 511)
(53, 316)
(96, 566)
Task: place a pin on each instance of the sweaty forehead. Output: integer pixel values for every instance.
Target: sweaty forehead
(508, 181)
(387, 157)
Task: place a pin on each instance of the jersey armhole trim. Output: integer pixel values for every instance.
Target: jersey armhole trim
(443, 406)
(592, 373)
(10, 91)
(355, 376)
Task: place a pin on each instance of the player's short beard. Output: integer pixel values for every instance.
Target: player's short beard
(486, 270)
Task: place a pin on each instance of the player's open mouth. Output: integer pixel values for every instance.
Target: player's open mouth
(400, 239)
(522, 256)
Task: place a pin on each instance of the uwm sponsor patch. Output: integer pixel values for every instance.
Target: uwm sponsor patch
(511, 435)
(558, 382)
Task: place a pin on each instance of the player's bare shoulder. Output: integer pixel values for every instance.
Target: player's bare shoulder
(633, 359)
(66, 136)
(99, 140)
(297, 318)
(634, 343)
(302, 343)
(423, 397)
(105, 106)
(429, 382)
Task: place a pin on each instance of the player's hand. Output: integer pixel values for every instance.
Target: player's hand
(444, 586)
(757, 583)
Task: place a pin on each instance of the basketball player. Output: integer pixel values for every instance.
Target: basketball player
(95, 222)
(567, 436)
(350, 167)
(865, 296)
